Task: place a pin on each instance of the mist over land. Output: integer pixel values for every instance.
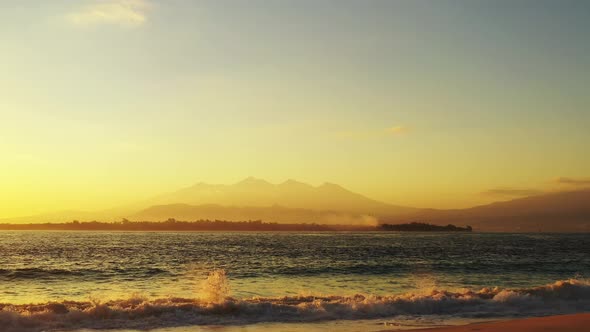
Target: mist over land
(293, 202)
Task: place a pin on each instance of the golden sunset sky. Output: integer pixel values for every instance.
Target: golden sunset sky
(420, 103)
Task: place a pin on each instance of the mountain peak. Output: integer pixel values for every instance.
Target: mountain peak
(252, 181)
(256, 192)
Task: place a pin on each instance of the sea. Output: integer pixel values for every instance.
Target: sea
(285, 281)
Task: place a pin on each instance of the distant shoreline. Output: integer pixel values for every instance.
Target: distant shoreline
(173, 225)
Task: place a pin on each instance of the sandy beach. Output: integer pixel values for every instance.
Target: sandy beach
(563, 323)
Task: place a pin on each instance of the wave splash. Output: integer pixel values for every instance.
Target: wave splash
(216, 307)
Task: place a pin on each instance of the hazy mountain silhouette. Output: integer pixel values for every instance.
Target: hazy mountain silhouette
(552, 212)
(297, 202)
(255, 192)
(263, 199)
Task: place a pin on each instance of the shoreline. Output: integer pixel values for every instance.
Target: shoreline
(560, 323)
(229, 226)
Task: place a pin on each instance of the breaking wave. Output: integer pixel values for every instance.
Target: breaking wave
(215, 306)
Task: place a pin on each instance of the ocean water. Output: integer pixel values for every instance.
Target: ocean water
(63, 281)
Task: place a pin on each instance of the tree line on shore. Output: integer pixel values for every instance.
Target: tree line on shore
(424, 227)
(223, 225)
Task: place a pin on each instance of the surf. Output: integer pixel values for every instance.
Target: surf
(213, 304)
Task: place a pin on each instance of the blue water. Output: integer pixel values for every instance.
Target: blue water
(348, 275)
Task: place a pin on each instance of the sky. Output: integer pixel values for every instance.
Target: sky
(422, 103)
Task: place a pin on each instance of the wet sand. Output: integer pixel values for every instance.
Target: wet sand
(565, 323)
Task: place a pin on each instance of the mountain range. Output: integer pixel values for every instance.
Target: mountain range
(297, 202)
(289, 194)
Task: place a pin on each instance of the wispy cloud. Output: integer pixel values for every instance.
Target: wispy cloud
(511, 192)
(573, 182)
(130, 13)
(369, 134)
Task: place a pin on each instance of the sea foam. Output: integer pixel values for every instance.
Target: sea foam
(215, 306)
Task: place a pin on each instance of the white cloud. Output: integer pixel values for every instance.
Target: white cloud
(130, 13)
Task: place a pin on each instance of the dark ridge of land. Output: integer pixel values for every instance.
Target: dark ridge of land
(221, 225)
(563, 211)
(180, 226)
(557, 212)
(423, 227)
